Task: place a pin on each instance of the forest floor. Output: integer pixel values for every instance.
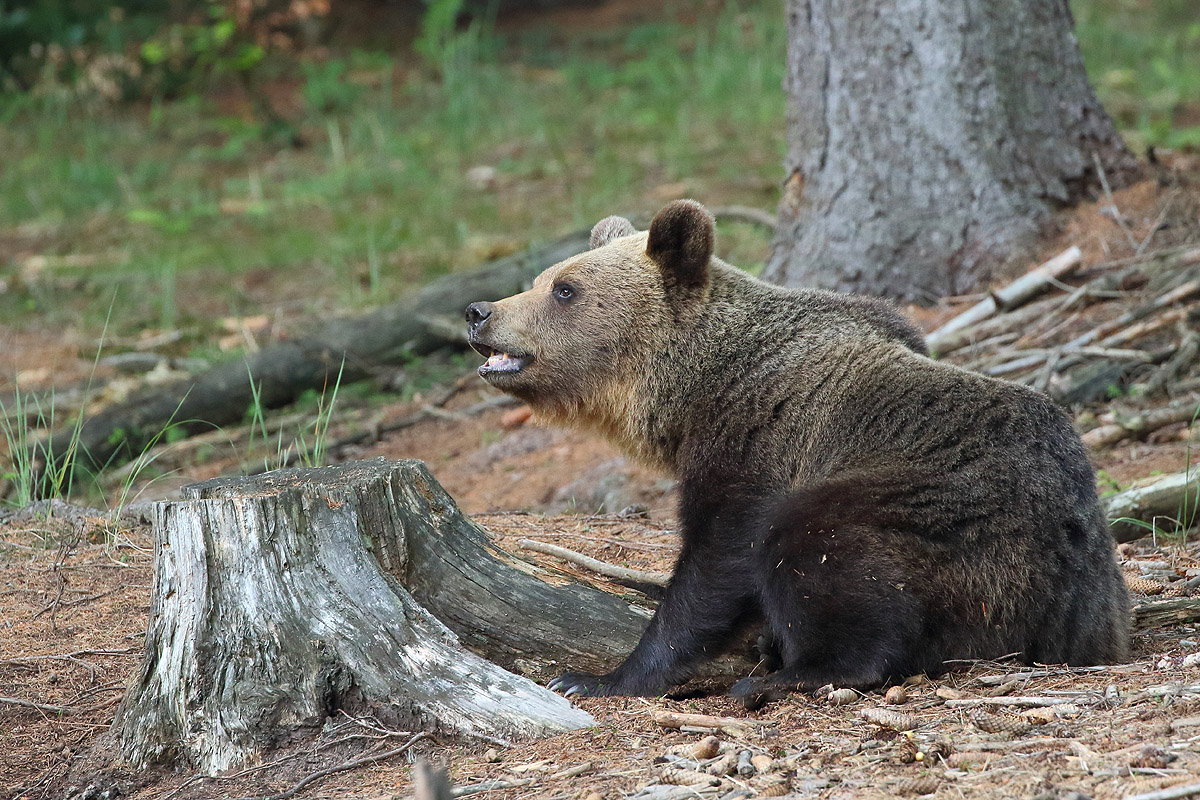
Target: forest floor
(75, 589)
(75, 593)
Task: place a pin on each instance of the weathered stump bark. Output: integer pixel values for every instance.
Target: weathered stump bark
(281, 598)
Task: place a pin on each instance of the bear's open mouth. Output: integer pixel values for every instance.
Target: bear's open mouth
(499, 362)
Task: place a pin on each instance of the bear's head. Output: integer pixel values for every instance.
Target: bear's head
(573, 345)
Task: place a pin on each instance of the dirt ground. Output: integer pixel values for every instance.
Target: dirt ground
(74, 615)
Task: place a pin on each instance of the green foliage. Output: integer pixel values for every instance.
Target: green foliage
(188, 55)
(309, 444)
(58, 35)
(1144, 60)
(326, 89)
(438, 25)
(383, 197)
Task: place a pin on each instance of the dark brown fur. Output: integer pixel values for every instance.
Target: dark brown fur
(881, 512)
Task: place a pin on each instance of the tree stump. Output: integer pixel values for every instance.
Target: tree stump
(283, 597)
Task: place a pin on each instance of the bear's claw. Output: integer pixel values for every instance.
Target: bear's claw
(580, 684)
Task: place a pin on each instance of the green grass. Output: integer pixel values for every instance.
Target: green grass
(1143, 57)
(209, 218)
(196, 212)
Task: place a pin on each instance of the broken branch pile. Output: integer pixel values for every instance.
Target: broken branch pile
(1117, 343)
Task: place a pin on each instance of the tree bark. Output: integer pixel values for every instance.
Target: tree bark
(281, 598)
(928, 139)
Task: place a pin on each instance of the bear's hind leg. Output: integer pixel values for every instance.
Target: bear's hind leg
(839, 603)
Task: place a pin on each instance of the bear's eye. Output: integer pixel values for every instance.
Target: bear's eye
(564, 292)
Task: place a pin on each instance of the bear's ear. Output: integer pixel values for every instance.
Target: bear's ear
(608, 229)
(681, 242)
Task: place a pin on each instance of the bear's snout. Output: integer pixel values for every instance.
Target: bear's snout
(477, 314)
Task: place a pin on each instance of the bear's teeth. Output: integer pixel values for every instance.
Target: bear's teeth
(501, 361)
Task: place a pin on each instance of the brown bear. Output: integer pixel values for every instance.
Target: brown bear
(879, 511)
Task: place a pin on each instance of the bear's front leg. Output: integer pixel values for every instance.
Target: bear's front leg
(711, 591)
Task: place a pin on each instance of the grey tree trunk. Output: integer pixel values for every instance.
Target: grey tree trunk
(929, 139)
(281, 598)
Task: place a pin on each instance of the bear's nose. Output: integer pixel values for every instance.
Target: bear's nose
(477, 314)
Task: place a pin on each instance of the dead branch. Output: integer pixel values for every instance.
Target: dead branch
(998, 680)
(1025, 701)
(998, 326)
(1170, 793)
(674, 719)
(595, 565)
(1011, 296)
(46, 707)
(1133, 513)
(1110, 329)
(72, 656)
(1176, 365)
(754, 216)
(1140, 425)
(343, 767)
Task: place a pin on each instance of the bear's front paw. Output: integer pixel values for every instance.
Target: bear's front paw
(584, 684)
(754, 693)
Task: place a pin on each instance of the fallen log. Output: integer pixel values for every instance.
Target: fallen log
(350, 348)
(1167, 505)
(1016, 293)
(281, 598)
(1175, 611)
(1141, 424)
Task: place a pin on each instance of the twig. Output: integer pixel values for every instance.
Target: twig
(996, 680)
(1030, 702)
(596, 565)
(1171, 793)
(673, 719)
(1116, 212)
(343, 767)
(77, 654)
(423, 414)
(1158, 221)
(755, 216)
(89, 598)
(46, 707)
(490, 786)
